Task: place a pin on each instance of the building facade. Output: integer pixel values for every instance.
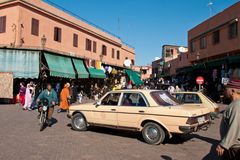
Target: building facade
(146, 71)
(171, 53)
(27, 23)
(213, 44)
(157, 68)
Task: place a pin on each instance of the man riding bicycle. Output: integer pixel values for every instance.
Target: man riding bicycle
(51, 96)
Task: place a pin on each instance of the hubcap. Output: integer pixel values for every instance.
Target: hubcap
(152, 133)
(79, 122)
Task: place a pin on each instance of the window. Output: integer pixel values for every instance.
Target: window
(75, 40)
(111, 99)
(88, 45)
(118, 54)
(35, 27)
(188, 98)
(203, 43)
(168, 52)
(233, 30)
(144, 71)
(164, 98)
(133, 99)
(94, 46)
(192, 46)
(113, 53)
(216, 37)
(180, 58)
(2, 24)
(57, 34)
(133, 62)
(104, 50)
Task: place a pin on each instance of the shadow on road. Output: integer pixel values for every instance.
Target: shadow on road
(54, 121)
(176, 139)
(164, 157)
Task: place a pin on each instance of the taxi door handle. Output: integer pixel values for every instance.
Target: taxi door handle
(113, 110)
(141, 111)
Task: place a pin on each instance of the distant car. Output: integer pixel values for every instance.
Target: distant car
(156, 114)
(197, 99)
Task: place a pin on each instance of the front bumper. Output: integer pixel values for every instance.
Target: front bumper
(195, 128)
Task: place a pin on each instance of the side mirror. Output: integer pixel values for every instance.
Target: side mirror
(98, 103)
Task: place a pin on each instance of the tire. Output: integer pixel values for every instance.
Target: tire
(153, 133)
(42, 121)
(79, 123)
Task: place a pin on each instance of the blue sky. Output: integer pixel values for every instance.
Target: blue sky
(146, 24)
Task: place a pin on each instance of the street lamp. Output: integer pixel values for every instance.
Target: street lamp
(43, 41)
(101, 57)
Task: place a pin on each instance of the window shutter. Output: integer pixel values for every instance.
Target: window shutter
(59, 34)
(3, 24)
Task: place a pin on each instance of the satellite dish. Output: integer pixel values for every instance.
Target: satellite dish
(182, 49)
(127, 63)
(157, 58)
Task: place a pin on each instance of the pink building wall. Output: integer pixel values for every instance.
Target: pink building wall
(21, 13)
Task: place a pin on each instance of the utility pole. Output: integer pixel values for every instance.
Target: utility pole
(210, 3)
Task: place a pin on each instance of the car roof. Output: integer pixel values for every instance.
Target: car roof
(137, 90)
(185, 92)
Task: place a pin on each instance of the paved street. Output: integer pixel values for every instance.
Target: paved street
(20, 139)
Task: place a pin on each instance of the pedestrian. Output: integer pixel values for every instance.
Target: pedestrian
(64, 98)
(171, 89)
(22, 93)
(177, 89)
(58, 89)
(129, 86)
(229, 147)
(73, 93)
(28, 98)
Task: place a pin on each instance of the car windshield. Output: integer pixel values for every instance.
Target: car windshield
(164, 98)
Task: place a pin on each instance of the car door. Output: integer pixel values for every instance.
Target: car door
(131, 109)
(106, 112)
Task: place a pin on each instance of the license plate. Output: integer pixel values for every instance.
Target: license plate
(201, 119)
(44, 108)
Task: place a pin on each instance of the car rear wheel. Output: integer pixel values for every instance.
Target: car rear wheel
(153, 133)
(79, 122)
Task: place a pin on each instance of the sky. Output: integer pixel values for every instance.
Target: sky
(146, 25)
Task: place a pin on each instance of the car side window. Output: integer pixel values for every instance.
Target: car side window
(192, 98)
(133, 99)
(111, 99)
(179, 97)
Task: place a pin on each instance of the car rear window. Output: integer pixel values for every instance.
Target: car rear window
(164, 98)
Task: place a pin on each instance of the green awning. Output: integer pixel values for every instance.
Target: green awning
(134, 77)
(234, 59)
(199, 66)
(96, 73)
(60, 66)
(216, 63)
(22, 63)
(81, 70)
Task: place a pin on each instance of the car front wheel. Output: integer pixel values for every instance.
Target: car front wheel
(153, 133)
(79, 122)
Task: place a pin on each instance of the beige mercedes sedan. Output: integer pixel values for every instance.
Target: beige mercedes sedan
(156, 114)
